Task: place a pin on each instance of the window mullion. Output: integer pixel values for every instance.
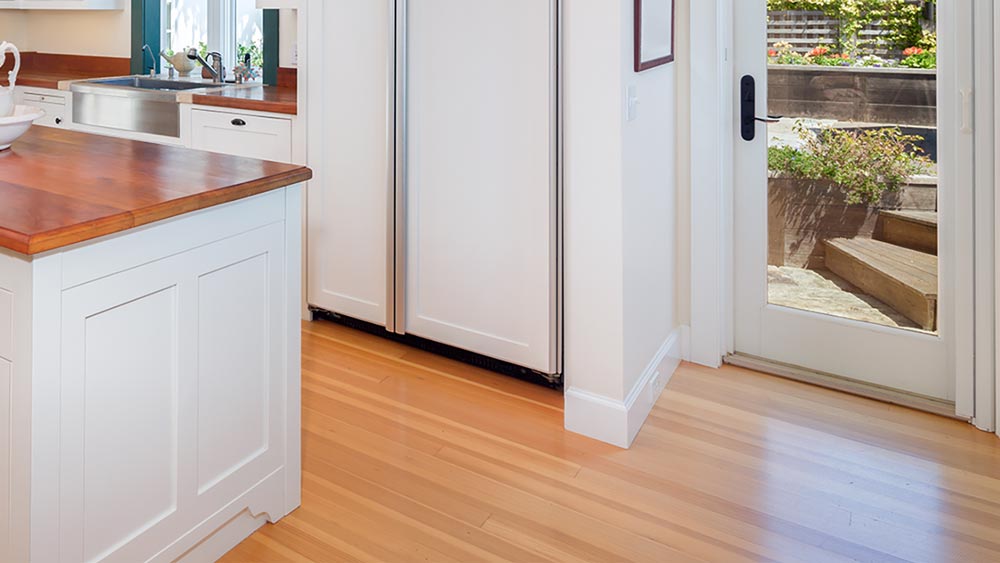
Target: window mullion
(222, 30)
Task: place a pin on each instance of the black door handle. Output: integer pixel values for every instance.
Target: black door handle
(748, 109)
(238, 122)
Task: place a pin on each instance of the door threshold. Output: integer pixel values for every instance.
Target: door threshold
(846, 385)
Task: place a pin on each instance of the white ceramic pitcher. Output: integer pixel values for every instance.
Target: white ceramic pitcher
(7, 94)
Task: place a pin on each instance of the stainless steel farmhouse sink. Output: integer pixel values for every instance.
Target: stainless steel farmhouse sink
(147, 83)
(133, 103)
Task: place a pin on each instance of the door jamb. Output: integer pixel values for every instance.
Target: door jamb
(711, 180)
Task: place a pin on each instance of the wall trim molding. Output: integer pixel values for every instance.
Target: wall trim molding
(618, 422)
(710, 137)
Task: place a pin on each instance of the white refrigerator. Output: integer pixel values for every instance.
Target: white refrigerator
(435, 210)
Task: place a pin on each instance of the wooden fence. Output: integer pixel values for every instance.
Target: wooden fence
(804, 30)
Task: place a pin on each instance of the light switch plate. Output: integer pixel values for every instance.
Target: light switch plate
(631, 103)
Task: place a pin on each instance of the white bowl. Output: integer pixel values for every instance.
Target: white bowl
(16, 124)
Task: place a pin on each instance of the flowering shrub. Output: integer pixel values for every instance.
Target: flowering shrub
(785, 54)
(914, 57)
(865, 164)
(917, 57)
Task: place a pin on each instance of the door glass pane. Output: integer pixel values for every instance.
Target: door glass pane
(852, 190)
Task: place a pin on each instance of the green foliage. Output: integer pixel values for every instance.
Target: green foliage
(900, 19)
(255, 51)
(928, 41)
(927, 59)
(865, 164)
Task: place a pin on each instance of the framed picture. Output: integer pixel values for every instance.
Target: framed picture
(654, 33)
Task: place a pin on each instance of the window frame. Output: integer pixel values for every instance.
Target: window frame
(147, 28)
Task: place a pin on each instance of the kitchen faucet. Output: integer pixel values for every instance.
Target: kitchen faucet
(216, 69)
(146, 49)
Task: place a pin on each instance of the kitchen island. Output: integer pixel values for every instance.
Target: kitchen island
(149, 349)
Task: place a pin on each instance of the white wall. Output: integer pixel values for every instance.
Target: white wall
(620, 207)
(288, 31)
(12, 28)
(95, 33)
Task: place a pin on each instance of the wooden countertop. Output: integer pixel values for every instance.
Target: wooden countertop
(47, 70)
(61, 187)
(265, 98)
(42, 79)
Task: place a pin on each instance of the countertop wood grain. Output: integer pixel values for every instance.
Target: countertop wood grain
(47, 70)
(59, 188)
(266, 98)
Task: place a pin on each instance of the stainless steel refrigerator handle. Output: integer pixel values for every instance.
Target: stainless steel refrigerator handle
(398, 209)
(556, 359)
(390, 173)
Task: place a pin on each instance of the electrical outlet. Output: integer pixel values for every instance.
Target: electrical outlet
(659, 382)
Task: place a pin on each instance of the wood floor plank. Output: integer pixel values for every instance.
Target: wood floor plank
(413, 457)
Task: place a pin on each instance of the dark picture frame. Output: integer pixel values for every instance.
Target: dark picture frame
(654, 37)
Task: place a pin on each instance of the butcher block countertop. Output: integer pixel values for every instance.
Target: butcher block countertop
(266, 98)
(60, 188)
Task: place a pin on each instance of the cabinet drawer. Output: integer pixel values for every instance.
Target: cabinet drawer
(33, 97)
(53, 104)
(267, 138)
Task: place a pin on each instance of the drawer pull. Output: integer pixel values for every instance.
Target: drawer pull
(58, 121)
(239, 122)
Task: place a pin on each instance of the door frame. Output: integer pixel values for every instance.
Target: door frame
(713, 134)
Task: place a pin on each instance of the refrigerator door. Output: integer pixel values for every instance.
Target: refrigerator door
(350, 130)
(478, 251)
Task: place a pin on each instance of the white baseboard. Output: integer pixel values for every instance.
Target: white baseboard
(685, 332)
(618, 422)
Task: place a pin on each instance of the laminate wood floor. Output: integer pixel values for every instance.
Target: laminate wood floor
(411, 457)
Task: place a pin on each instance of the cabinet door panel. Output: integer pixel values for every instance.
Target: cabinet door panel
(170, 395)
(129, 411)
(232, 354)
(480, 177)
(349, 148)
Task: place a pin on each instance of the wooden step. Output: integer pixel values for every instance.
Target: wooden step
(903, 278)
(916, 230)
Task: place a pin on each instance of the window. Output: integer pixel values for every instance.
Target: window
(231, 27)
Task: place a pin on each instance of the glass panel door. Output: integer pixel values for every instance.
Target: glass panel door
(846, 242)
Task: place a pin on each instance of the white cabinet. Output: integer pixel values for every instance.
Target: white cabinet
(171, 394)
(162, 401)
(54, 102)
(62, 4)
(242, 134)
